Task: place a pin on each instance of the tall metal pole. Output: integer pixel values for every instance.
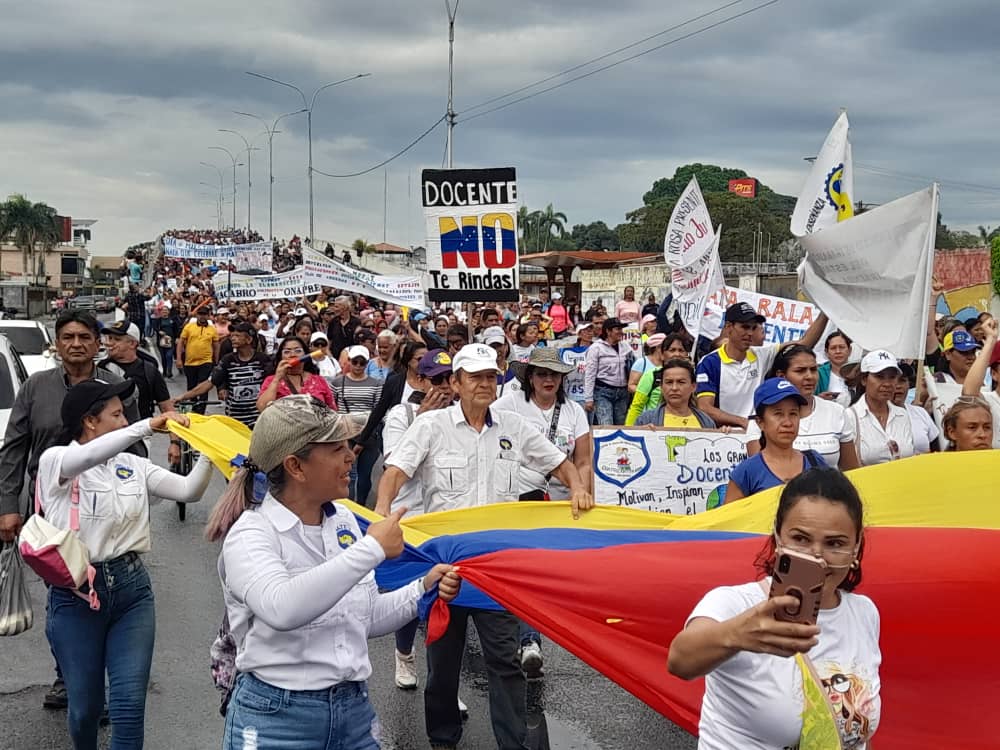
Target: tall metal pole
(270, 162)
(249, 148)
(308, 105)
(231, 156)
(221, 188)
(385, 203)
(452, 12)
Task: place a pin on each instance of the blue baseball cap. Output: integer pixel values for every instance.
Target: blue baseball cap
(773, 390)
(417, 315)
(433, 363)
(959, 340)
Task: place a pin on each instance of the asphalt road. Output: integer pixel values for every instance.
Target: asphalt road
(572, 706)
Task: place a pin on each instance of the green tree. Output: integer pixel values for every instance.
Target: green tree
(711, 178)
(551, 222)
(33, 229)
(995, 263)
(594, 236)
(741, 219)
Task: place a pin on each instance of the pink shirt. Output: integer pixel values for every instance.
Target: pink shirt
(627, 312)
(313, 385)
(560, 318)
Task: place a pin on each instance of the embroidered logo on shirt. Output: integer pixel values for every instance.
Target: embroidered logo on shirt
(345, 538)
(506, 444)
(124, 472)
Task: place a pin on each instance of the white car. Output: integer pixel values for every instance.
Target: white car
(12, 377)
(32, 341)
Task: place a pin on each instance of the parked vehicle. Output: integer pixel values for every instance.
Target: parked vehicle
(32, 341)
(83, 302)
(12, 377)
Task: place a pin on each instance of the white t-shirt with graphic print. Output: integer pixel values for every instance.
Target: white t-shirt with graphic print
(754, 701)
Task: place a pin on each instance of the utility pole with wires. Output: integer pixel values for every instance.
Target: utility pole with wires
(452, 12)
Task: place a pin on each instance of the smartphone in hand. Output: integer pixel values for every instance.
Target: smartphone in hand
(802, 576)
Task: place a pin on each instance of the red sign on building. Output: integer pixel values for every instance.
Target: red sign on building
(65, 226)
(746, 187)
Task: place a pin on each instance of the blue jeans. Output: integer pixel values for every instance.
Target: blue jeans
(610, 405)
(528, 634)
(263, 716)
(167, 355)
(117, 639)
(361, 474)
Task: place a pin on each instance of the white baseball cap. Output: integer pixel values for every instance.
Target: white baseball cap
(320, 336)
(494, 335)
(222, 311)
(556, 295)
(356, 351)
(878, 360)
(475, 358)
(300, 311)
(583, 325)
(264, 316)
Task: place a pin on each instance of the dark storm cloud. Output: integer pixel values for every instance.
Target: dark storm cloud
(145, 89)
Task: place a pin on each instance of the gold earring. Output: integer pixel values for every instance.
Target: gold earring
(854, 564)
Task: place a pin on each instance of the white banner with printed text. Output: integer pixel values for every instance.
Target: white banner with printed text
(681, 472)
(406, 291)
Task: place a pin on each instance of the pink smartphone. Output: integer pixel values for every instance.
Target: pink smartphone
(802, 576)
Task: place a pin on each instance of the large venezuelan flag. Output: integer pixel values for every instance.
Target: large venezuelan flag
(616, 586)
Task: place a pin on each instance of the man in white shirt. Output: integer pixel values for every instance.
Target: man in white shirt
(468, 455)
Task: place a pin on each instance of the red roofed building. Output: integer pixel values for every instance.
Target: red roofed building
(568, 266)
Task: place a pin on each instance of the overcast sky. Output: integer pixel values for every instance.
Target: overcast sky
(108, 107)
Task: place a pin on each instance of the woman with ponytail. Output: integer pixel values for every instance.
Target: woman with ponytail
(298, 582)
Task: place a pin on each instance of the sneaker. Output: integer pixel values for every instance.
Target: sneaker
(531, 659)
(463, 709)
(406, 671)
(56, 697)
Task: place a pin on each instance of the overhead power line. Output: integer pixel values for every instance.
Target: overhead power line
(954, 184)
(637, 55)
(602, 57)
(395, 156)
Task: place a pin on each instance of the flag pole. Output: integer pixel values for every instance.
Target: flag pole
(925, 314)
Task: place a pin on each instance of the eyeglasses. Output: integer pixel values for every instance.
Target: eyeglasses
(436, 379)
(835, 557)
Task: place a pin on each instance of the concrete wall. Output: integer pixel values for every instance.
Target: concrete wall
(609, 283)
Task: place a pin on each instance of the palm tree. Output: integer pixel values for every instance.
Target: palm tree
(984, 233)
(535, 220)
(29, 225)
(552, 220)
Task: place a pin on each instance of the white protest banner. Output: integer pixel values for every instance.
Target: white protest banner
(681, 472)
(691, 250)
(406, 291)
(871, 275)
(288, 285)
(471, 218)
(825, 198)
(786, 319)
(252, 254)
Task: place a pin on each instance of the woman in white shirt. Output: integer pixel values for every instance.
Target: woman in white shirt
(754, 698)
(543, 404)
(329, 367)
(824, 426)
(299, 584)
(434, 392)
(884, 429)
(93, 479)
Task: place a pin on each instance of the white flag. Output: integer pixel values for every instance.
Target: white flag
(872, 274)
(826, 197)
(691, 249)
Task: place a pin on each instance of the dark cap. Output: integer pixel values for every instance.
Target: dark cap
(433, 363)
(82, 396)
(246, 328)
(742, 312)
(612, 323)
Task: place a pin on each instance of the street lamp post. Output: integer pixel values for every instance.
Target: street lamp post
(270, 162)
(308, 105)
(218, 205)
(230, 155)
(249, 148)
(221, 188)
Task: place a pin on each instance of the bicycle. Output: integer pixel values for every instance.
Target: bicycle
(188, 454)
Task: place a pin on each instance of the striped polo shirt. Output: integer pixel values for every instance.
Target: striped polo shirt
(732, 383)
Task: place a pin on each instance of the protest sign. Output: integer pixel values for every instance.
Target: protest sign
(681, 472)
(288, 285)
(406, 291)
(471, 219)
(691, 249)
(825, 198)
(871, 275)
(786, 319)
(251, 256)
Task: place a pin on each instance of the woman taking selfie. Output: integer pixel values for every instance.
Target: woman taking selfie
(777, 405)
(824, 426)
(294, 373)
(753, 690)
(299, 585)
(91, 475)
